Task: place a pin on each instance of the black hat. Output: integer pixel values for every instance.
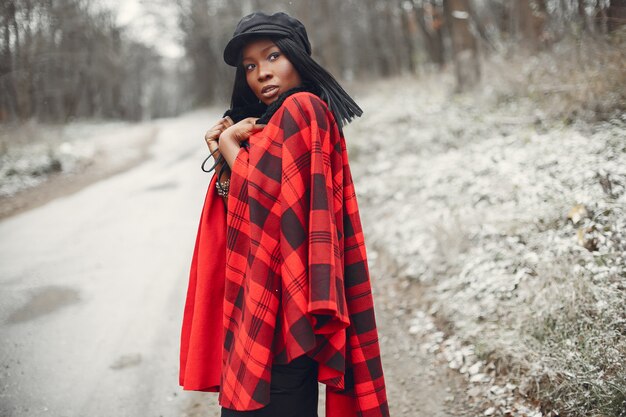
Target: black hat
(259, 23)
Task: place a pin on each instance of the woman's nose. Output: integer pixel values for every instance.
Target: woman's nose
(264, 74)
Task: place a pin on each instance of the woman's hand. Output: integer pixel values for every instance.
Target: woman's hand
(212, 135)
(231, 138)
(242, 130)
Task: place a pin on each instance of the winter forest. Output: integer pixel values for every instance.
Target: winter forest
(71, 59)
(489, 165)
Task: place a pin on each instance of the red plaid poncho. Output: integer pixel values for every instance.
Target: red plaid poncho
(295, 277)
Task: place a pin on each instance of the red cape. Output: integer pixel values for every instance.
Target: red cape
(283, 272)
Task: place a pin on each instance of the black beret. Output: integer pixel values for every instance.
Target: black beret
(259, 24)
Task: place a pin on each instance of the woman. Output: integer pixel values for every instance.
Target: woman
(279, 296)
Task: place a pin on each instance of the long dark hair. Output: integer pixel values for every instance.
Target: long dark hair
(244, 103)
(339, 102)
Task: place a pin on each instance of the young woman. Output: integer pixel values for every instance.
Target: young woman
(279, 295)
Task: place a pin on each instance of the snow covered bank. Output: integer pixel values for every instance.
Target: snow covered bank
(38, 161)
(515, 224)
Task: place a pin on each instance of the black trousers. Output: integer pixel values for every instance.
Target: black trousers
(293, 392)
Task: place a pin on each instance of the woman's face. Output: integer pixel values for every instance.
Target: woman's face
(268, 72)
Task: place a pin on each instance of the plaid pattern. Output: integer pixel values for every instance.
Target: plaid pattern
(296, 276)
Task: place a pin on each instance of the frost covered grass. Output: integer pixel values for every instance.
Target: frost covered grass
(32, 152)
(515, 224)
(579, 343)
(575, 79)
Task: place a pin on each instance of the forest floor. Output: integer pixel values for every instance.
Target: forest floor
(507, 227)
(494, 235)
(41, 162)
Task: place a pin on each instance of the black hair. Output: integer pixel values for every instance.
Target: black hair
(244, 103)
(339, 102)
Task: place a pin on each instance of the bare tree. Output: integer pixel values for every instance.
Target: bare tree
(430, 20)
(616, 14)
(62, 59)
(464, 45)
(65, 59)
(409, 33)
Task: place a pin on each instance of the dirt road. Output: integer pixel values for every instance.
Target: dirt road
(93, 288)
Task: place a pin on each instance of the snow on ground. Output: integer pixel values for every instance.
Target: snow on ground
(514, 224)
(32, 152)
(42, 162)
(510, 223)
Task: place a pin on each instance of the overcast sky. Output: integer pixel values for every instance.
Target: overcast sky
(152, 22)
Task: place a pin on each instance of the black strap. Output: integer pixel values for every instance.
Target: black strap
(217, 161)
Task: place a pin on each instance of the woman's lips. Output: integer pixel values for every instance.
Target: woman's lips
(269, 91)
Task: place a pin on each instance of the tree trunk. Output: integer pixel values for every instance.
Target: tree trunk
(464, 45)
(393, 39)
(328, 35)
(616, 14)
(430, 21)
(528, 25)
(408, 35)
(582, 15)
(480, 28)
(381, 55)
(599, 18)
(8, 95)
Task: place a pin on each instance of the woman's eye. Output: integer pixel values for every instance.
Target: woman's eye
(272, 57)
